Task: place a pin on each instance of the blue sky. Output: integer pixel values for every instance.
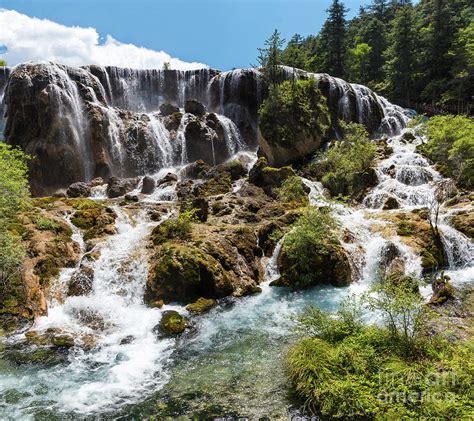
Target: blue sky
(221, 33)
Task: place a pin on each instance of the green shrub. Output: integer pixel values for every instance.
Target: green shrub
(451, 145)
(343, 169)
(293, 111)
(311, 251)
(46, 224)
(178, 228)
(343, 369)
(14, 191)
(293, 190)
(14, 187)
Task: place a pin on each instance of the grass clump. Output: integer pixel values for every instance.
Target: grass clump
(46, 224)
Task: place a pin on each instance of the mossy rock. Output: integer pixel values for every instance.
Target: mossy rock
(464, 222)
(96, 221)
(329, 266)
(184, 273)
(201, 305)
(268, 177)
(171, 324)
(217, 185)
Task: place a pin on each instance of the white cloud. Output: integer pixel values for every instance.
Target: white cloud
(33, 39)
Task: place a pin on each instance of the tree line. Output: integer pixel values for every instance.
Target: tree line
(418, 55)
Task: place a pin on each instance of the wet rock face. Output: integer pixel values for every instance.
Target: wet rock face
(119, 187)
(79, 189)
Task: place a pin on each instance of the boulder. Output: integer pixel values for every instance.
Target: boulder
(171, 324)
(168, 178)
(235, 168)
(202, 305)
(148, 185)
(442, 289)
(81, 282)
(194, 107)
(391, 203)
(268, 177)
(168, 109)
(195, 170)
(200, 205)
(79, 189)
(183, 273)
(120, 186)
(331, 267)
(131, 197)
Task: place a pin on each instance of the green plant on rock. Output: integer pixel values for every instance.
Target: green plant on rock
(176, 228)
(346, 167)
(293, 111)
(14, 192)
(293, 190)
(46, 224)
(313, 237)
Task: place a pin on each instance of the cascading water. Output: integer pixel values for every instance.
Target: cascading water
(127, 359)
(233, 360)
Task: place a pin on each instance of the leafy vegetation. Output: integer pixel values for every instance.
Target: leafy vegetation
(345, 168)
(293, 111)
(343, 368)
(13, 198)
(451, 146)
(420, 55)
(309, 248)
(293, 190)
(178, 228)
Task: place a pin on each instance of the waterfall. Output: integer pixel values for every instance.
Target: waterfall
(233, 139)
(128, 358)
(70, 107)
(164, 150)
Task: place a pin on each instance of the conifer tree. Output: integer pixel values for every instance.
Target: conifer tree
(401, 54)
(332, 46)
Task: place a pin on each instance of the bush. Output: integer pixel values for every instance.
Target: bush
(312, 254)
(451, 145)
(345, 166)
(14, 187)
(14, 192)
(293, 111)
(345, 369)
(293, 190)
(46, 224)
(178, 228)
(312, 234)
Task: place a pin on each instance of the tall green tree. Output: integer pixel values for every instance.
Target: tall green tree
(401, 54)
(332, 40)
(270, 58)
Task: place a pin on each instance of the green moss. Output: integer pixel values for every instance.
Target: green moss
(185, 273)
(216, 185)
(172, 323)
(202, 305)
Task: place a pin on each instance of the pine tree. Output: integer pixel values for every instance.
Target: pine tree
(270, 58)
(331, 46)
(401, 54)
